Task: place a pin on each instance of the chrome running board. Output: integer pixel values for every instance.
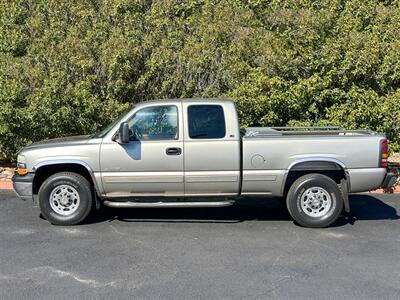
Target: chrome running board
(130, 204)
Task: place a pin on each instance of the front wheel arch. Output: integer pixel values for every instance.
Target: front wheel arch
(45, 171)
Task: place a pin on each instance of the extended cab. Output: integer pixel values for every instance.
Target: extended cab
(192, 153)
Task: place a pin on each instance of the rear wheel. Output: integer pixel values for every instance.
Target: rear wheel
(314, 200)
(65, 198)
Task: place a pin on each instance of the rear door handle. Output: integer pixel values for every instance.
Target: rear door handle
(173, 151)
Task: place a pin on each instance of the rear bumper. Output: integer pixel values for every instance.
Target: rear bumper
(23, 186)
(363, 180)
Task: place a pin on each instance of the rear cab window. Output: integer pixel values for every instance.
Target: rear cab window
(206, 122)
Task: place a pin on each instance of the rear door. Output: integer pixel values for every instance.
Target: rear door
(212, 149)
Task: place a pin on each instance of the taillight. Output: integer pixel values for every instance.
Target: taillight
(384, 153)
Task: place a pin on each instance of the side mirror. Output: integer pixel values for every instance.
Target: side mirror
(123, 133)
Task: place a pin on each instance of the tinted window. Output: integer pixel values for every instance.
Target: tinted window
(206, 122)
(154, 123)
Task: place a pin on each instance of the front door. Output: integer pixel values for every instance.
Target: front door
(151, 164)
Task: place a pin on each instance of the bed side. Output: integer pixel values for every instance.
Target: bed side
(268, 161)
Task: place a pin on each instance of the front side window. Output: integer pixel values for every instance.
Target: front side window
(154, 123)
(206, 122)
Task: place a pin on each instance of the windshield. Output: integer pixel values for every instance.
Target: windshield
(106, 130)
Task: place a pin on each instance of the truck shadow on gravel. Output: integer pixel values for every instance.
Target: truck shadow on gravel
(363, 207)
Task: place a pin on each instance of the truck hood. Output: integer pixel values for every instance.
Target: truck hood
(65, 141)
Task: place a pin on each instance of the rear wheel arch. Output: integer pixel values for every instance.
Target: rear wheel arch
(331, 168)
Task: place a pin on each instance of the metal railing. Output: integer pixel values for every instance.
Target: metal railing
(302, 130)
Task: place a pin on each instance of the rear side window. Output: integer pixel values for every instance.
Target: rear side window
(206, 122)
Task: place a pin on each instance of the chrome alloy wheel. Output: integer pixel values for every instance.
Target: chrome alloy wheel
(316, 202)
(64, 200)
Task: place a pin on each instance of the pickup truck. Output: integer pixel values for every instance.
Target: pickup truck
(192, 153)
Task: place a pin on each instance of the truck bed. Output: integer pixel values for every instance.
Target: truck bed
(270, 152)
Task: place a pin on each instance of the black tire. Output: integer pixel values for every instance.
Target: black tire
(299, 191)
(81, 186)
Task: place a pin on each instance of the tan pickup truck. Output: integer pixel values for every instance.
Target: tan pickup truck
(192, 153)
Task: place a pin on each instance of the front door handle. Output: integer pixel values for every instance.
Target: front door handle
(173, 151)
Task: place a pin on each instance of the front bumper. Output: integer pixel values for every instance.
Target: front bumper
(389, 181)
(23, 185)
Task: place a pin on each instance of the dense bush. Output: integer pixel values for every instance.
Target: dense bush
(70, 67)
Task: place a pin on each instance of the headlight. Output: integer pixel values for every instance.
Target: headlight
(21, 159)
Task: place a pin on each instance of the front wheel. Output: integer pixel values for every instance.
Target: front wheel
(314, 200)
(65, 198)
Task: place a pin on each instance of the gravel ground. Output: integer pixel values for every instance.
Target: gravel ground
(6, 174)
(251, 250)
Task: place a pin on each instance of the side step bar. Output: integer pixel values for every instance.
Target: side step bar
(130, 204)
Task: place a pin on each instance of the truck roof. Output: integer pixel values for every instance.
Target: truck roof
(192, 100)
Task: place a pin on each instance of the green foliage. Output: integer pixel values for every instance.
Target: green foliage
(70, 67)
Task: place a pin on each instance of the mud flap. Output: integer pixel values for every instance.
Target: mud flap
(96, 199)
(345, 194)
